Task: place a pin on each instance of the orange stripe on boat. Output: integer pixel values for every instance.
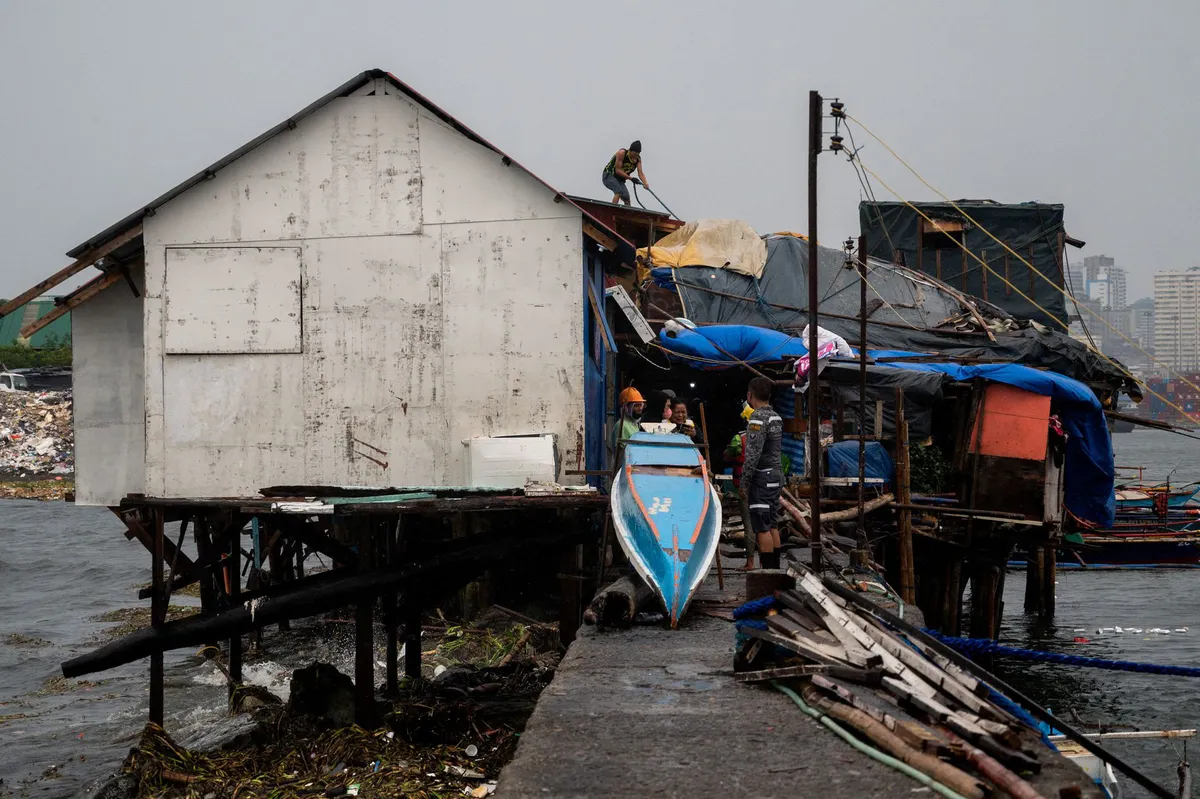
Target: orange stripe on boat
(707, 499)
(638, 500)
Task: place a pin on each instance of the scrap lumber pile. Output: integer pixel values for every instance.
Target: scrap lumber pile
(894, 695)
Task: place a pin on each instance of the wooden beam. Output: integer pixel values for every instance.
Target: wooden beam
(87, 259)
(599, 237)
(81, 296)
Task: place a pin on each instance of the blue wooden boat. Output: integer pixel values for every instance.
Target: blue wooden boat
(667, 516)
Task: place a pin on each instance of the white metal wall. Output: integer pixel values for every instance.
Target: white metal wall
(440, 299)
(109, 392)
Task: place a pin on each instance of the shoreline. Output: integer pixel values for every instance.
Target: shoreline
(41, 487)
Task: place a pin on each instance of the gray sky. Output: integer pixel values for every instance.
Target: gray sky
(1091, 103)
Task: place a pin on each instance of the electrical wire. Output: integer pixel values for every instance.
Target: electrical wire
(1025, 296)
(990, 235)
(867, 749)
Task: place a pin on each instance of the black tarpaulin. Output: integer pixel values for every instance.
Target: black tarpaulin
(1032, 230)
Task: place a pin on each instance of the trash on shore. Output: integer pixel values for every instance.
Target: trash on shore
(446, 736)
(37, 436)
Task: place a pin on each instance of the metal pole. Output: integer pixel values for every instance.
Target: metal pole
(862, 390)
(814, 415)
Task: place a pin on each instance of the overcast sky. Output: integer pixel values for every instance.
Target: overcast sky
(1091, 103)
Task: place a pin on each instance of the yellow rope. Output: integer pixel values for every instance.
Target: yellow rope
(1029, 299)
(990, 235)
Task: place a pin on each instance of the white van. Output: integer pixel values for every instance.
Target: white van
(11, 381)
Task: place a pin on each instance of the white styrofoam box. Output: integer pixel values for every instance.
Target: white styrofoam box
(510, 461)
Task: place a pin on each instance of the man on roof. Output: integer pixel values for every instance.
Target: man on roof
(620, 168)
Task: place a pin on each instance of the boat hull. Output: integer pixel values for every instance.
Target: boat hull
(667, 516)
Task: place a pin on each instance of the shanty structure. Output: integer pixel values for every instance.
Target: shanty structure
(930, 238)
(357, 336)
(345, 300)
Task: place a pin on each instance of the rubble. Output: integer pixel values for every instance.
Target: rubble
(37, 436)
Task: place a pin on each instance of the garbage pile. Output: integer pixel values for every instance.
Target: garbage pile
(36, 433)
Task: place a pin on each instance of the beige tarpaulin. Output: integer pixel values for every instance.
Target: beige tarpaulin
(719, 243)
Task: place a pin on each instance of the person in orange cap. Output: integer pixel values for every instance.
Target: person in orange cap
(633, 405)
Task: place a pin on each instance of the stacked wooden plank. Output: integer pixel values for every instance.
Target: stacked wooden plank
(892, 693)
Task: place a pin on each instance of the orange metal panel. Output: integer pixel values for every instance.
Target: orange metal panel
(1015, 424)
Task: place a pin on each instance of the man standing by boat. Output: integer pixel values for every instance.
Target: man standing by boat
(620, 168)
(762, 470)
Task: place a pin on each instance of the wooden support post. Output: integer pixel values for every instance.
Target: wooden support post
(158, 615)
(1049, 573)
(233, 566)
(412, 636)
(570, 609)
(1034, 574)
(908, 583)
(953, 621)
(364, 635)
(391, 613)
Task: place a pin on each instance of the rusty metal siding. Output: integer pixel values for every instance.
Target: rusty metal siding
(441, 300)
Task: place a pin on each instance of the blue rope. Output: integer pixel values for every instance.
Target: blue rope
(1003, 702)
(975, 646)
(756, 607)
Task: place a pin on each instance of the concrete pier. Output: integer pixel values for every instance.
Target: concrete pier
(655, 712)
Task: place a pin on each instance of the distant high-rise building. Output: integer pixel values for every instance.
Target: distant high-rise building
(1141, 323)
(1076, 279)
(1177, 319)
(1104, 282)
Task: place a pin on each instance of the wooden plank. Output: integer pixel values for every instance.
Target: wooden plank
(87, 259)
(598, 236)
(81, 296)
(782, 673)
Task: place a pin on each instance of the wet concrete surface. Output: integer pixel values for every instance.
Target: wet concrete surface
(655, 712)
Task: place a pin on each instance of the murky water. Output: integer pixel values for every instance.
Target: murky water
(60, 567)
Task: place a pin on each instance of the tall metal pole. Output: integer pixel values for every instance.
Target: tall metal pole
(814, 409)
(861, 535)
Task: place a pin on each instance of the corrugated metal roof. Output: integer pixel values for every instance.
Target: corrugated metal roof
(11, 324)
(345, 89)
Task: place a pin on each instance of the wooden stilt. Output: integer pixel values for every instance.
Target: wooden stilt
(391, 613)
(1049, 575)
(412, 637)
(364, 638)
(1034, 575)
(570, 613)
(954, 592)
(233, 573)
(158, 615)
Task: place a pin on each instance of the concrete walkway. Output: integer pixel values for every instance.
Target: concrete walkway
(655, 712)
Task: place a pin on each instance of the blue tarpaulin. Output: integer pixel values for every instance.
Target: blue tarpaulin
(841, 460)
(1088, 490)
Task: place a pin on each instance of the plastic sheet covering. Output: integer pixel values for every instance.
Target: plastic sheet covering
(1089, 458)
(907, 311)
(841, 460)
(716, 243)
